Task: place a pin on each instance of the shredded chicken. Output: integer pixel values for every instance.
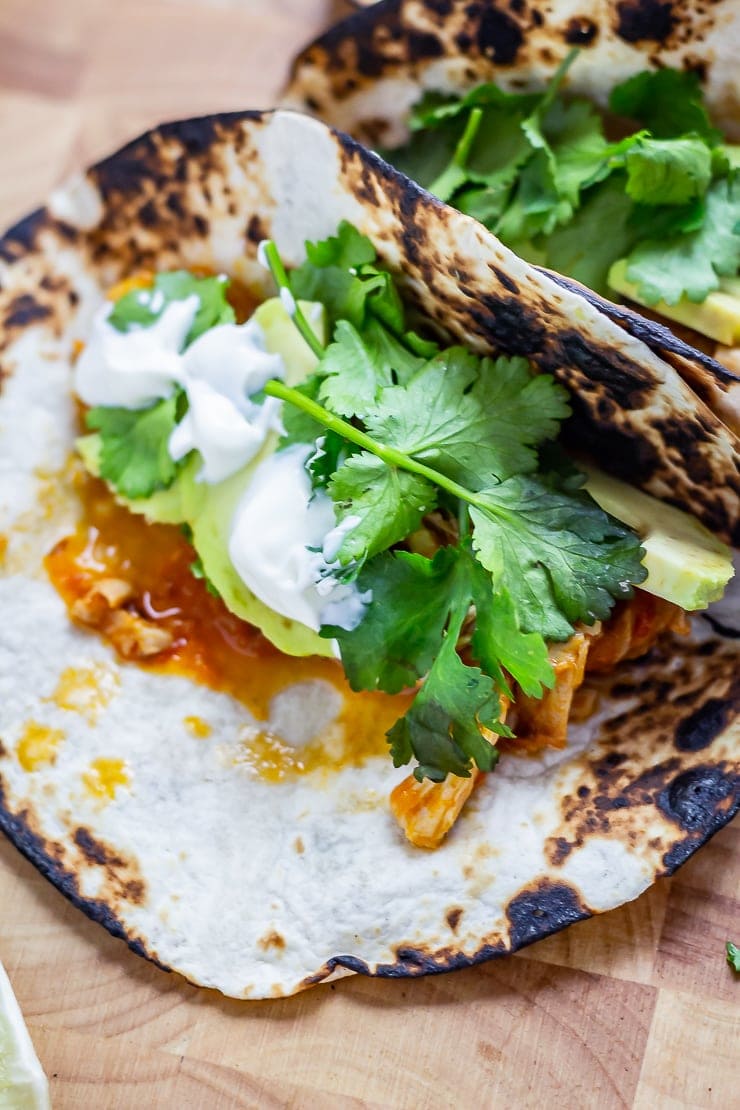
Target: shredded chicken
(426, 811)
(131, 635)
(632, 630)
(101, 599)
(543, 722)
(136, 638)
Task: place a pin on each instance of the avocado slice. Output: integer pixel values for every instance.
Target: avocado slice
(718, 315)
(209, 509)
(686, 564)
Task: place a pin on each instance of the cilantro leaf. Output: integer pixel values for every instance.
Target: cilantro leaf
(733, 955)
(540, 173)
(499, 644)
(349, 296)
(389, 504)
(442, 729)
(425, 156)
(340, 273)
(692, 263)
(348, 249)
(141, 307)
(570, 153)
(581, 247)
(411, 631)
(392, 352)
(342, 294)
(580, 154)
(667, 101)
(667, 171)
(330, 451)
(355, 370)
(472, 419)
(399, 636)
(649, 221)
(134, 454)
(557, 554)
(436, 109)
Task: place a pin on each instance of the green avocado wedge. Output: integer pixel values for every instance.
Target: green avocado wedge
(686, 564)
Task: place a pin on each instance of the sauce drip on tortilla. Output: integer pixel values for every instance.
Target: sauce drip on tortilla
(209, 645)
(105, 776)
(38, 745)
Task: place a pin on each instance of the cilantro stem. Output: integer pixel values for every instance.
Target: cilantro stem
(271, 257)
(462, 150)
(557, 79)
(389, 455)
(460, 155)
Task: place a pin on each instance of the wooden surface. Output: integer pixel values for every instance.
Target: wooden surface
(636, 1008)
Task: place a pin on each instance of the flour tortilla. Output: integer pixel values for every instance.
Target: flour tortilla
(365, 74)
(262, 889)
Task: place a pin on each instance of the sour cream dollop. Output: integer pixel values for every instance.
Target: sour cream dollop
(219, 372)
(133, 369)
(281, 536)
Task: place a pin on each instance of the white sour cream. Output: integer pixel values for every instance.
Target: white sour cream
(221, 369)
(219, 372)
(133, 369)
(277, 544)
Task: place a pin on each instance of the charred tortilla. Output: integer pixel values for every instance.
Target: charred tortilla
(365, 74)
(258, 888)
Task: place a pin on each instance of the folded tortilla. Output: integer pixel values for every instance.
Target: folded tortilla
(262, 889)
(365, 74)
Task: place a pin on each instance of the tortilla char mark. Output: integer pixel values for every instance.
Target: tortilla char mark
(67, 867)
(40, 298)
(545, 908)
(681, 703)
(164, 189)
(714, 383)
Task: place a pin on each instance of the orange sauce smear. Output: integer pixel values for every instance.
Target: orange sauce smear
(38, 745)
(210, 645)
(104, 777)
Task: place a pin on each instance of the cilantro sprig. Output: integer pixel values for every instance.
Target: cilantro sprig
(407, 433)
(540, 172)
(733, 955)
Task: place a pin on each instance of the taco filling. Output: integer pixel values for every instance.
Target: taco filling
(580, 149)
(319, 485)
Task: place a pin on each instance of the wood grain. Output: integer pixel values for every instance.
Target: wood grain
(636, 1008)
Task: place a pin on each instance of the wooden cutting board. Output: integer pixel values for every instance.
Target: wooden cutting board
(636, 1008)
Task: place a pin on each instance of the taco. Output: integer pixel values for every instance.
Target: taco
(596, 142)
(210, 485)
